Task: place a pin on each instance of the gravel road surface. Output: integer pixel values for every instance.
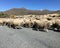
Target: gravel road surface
(28, 38)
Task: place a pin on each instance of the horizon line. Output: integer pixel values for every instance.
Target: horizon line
(28, 9)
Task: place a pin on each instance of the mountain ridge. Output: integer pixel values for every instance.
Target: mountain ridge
(24, 11)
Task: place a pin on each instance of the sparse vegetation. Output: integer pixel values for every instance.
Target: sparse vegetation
(3, 15)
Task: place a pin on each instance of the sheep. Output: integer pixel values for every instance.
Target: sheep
(27, 23)
(17, 23)
(6, 21)
(14, 23)
(1, 22)
(40, 24)
(56, 25)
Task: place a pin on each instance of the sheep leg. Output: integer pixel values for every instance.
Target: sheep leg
(45, 28)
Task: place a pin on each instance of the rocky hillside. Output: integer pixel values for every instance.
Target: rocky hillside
(24, 11)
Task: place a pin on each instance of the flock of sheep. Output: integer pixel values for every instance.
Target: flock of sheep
(36, 22)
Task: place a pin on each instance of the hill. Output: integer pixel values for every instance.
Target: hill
(24, 11)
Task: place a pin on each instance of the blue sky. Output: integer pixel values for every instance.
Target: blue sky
(30, 4)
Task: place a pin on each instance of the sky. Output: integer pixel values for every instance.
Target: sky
(30, 4)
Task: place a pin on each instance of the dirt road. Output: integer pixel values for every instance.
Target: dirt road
(28, 38)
